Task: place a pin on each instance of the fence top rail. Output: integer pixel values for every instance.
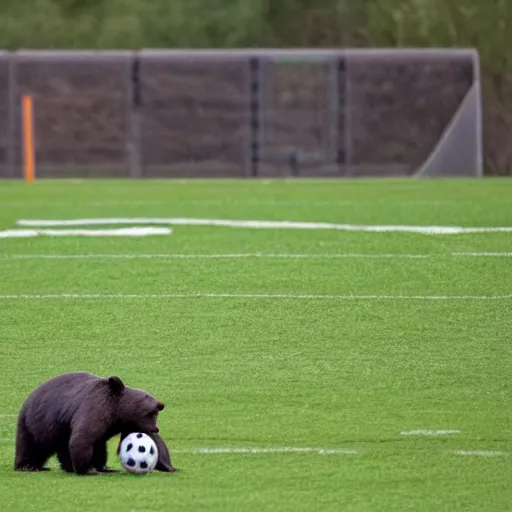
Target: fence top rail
(237, 53)
(310, 53)
(53, 55)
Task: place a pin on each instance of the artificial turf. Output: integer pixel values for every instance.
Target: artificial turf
(273, 340)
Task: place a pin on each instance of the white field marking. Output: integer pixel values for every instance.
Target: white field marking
(265, 296)
(30, 233)
(212, 256)
(296, 450)
(258, 451)
(478, 453)
(484, 254)
(8, 415)
(429, 432)
(250, 255)
(213, 202)
(262, 224)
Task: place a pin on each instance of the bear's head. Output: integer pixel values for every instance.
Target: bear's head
(137, 411)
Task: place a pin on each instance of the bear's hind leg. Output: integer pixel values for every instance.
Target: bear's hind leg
(30, 456)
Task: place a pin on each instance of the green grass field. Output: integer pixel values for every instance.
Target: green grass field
(275, 340)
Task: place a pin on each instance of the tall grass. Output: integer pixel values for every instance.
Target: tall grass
(484, 24)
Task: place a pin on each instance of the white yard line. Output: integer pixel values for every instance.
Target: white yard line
(297, 450)
(213, 256)
(264, 296)
(258, 451)
(254, 255)
(429, 432)
(479, 453)
(265, 224)
(483, 254)
(242, 202)
(131, 231)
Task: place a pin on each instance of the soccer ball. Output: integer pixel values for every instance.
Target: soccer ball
(138, 453)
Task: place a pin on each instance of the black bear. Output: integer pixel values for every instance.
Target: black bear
(74, 414)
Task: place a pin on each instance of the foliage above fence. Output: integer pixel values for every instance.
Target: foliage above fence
(228, 23)
(264, 23)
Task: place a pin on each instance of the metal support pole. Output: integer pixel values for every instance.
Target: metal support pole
(134, 136)
(255, 111)
(13, 124)
(341, 96)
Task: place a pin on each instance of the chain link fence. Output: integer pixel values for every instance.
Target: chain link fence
(243, 113)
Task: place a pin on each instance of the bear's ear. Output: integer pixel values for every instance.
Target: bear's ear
(160, 406)
(115, 384)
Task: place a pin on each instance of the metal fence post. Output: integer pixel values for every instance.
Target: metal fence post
(347, 117)
(134, 106)
(13, 110)
(255, 111)
(341, 95)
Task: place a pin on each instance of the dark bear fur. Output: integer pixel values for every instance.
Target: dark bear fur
(73, 415)
(164, 459)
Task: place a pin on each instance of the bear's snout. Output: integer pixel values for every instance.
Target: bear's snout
(160, 406)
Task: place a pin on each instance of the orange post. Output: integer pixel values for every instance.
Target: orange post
(28, 139)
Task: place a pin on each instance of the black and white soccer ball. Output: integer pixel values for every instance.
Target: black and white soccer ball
(138, 453)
